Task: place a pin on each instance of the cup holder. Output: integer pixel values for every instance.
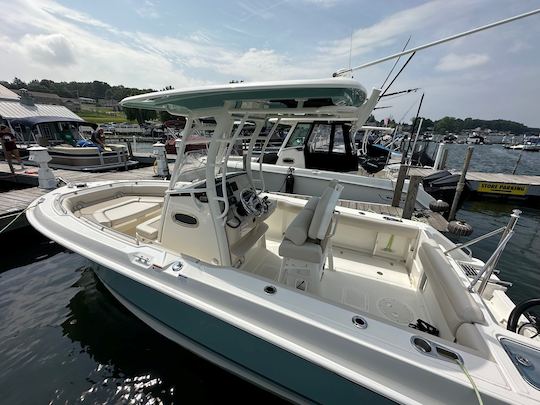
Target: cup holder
(421, 345)
(432, 349)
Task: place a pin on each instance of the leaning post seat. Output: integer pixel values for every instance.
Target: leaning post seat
(305, 245)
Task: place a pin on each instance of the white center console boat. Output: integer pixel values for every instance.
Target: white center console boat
(314, 302)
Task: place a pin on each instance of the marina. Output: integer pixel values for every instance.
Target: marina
(265, 237)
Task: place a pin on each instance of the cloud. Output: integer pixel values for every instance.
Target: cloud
(398, 26)
(453, 62)
(53, 49)
(519, 46)
(323, 3)
(148, 9)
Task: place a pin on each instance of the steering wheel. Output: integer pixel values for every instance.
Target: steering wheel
(521, 309)
(252, 203)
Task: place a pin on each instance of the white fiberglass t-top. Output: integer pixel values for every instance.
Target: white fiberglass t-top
(312, 300)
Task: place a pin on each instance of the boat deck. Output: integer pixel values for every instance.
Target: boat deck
(371, 284)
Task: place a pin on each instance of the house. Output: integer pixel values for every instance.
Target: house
(87, 100)
(41, 97)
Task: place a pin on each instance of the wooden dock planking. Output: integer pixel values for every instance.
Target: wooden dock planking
(14, 201)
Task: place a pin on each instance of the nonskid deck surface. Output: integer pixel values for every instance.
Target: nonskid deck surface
(376, 285)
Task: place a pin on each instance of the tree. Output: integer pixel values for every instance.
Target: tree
(18, 84)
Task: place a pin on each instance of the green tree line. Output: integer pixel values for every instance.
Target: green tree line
(98, 89)
(451, 124)
(456, 125)
(95, 89)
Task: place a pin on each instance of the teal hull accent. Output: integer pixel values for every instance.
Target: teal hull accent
(277, 366)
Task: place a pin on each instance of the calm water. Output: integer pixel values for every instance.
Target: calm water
(65, 339)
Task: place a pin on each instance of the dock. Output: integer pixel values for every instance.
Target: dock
(14, 202)
(493, 184)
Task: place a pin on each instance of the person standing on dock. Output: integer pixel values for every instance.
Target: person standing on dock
(9, 146)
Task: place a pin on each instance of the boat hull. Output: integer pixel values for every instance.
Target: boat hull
(241, 353)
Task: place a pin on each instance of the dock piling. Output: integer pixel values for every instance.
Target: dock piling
(461, 184)
(46, 177)
(399, 185)
(410, 201)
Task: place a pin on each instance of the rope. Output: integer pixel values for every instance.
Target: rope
(14, 219)
(475, 388)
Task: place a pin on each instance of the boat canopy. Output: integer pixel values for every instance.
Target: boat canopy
(31, 121)
(275, 95)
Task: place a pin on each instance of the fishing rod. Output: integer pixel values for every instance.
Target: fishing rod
(401, 92)
(341, 72)
(395, 63)
(397, 75)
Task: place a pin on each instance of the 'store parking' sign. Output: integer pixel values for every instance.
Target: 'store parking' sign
(502, 188)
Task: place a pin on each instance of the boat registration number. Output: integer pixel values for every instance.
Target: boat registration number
(502, 188)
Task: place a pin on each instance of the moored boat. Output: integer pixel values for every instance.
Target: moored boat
(309, 300)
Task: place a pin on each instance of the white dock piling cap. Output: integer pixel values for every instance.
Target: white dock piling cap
(39, 154)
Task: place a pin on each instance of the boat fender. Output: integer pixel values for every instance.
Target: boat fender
(289, 181)
(460, 228)
(439, 206)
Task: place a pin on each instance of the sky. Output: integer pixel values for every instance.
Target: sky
(157, 43)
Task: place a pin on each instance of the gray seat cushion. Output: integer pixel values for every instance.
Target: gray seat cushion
(308, 252)
(297, 231)
(323, 214)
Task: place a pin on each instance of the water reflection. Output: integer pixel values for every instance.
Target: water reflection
(65, 339)
(136, 364)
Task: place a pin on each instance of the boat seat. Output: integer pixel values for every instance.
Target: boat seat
(129, 211)
(149, 229)
(306, 242)
(455, 302)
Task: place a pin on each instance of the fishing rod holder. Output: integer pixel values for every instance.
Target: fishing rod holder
(489, 266)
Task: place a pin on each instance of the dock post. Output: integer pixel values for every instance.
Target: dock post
(437, 165)
(46, 178)
(410, 201)
(461, 184)
(444, 159)
(161, 159)
(399, 185)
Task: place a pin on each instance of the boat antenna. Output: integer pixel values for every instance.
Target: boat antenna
(350, 54)
(397, 75)
(440, 41)
(395, 63)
